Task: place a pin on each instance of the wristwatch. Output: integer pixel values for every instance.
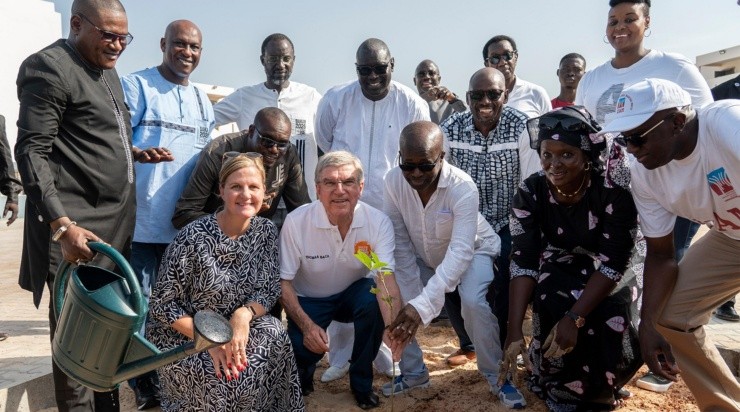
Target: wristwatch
(579, 320)
(251, 309)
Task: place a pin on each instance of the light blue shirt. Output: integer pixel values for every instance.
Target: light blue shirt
(177, 117)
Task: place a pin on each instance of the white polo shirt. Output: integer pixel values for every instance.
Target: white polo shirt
(298, 101)
(317, 260)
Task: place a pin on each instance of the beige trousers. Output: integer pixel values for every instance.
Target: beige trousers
(708, 275)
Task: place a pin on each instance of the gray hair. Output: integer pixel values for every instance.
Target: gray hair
(339, 158)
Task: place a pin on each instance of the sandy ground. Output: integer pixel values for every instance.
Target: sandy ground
(459, 389)
(464, 389)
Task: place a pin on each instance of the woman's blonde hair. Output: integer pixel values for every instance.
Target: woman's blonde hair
(234, 164)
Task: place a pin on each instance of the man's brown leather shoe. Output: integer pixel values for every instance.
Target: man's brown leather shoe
(460, 357)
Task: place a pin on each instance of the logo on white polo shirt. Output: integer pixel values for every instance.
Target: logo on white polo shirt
(314, 257)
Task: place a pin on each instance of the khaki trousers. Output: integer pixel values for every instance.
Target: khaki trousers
(708, 275)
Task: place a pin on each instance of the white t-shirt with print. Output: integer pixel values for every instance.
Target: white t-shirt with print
(704, 187)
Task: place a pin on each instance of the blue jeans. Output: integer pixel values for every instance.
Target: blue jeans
(357, 305)
(145, 260)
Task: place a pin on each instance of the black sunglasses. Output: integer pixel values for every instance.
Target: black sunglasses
(491, 94)
(268, 143)
(568, 124)
(635, 139)
(110, 37)
(365, 70)
(496, 58)
(423, 167)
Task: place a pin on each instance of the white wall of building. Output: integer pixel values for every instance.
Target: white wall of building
(26, 26)
(717, 61)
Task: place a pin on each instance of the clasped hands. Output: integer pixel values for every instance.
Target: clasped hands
(231, 357)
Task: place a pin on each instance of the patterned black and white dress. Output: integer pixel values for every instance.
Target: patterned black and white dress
(204, 269)
(561, 247)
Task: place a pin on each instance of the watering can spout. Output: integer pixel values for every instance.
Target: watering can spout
(97, 341)
(209, 329)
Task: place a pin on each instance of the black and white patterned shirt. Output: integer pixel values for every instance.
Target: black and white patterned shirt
(492, 161)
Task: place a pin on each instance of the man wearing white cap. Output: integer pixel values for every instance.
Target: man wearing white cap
(688, 163)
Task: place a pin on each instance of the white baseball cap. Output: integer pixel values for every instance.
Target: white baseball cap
(638, 102)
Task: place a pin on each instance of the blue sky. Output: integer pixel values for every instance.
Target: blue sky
(326, 34)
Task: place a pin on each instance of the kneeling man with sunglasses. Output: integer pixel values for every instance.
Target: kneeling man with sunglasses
(442, 244)
(269, 136)
(688, 164)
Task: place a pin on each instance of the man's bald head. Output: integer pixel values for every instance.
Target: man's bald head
(372, 48)
(422, 156)
(271, 115)
(421, 138)
(486, 75)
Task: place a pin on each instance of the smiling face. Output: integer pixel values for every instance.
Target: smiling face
(570, 72)
(486, 112)
(181, 48)
(339, 189)
(89, 42)
(426, 76)
(375, 86)
(660, 146)
(564, 165)
(626, 25)
(243, 192)
(266, 131)
(278, 61)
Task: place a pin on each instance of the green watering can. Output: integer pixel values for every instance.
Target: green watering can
(97, 340)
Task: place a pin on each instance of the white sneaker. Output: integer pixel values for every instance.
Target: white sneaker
(654, 383)
(397, 368)
(333, 373)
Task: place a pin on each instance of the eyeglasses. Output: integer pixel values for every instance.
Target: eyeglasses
(496, 58)
(423, 167)
(333, 184)
(364, 70)
(194, 47)
(268, 143)
(110, 37)
(232, 155)
(274, 59)
(635, 139)
(491, 94)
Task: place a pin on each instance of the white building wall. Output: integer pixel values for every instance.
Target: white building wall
(717, 61)
(26, 26)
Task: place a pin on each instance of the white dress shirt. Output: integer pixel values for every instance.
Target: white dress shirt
(445, 235)
(347, 120)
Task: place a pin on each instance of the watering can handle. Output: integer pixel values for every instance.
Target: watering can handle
(60, 280)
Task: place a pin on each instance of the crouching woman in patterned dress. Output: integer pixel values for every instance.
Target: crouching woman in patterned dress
(226, 262)
(573, 230)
